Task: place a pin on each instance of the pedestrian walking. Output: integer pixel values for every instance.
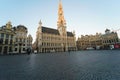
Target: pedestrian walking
(28, 51)
(69, 51)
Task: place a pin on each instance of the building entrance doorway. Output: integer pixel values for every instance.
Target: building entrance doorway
(5, 50)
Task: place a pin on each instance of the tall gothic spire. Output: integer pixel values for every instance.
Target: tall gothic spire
(39, 27)
(40, 23)
(61, 21)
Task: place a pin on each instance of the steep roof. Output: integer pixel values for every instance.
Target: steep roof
(54, 31)
(50, 30)
(70, 34)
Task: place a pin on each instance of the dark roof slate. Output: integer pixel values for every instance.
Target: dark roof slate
(50, 31)
(21, 26)
(54, 31)
(70, 34)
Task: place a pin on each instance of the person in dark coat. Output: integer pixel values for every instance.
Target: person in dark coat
(28, 51)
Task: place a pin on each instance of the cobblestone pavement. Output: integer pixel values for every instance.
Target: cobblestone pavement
(79, 65)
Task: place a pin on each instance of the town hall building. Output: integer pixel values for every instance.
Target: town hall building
(55, 40)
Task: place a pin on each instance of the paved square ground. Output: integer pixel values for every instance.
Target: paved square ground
(79, 65)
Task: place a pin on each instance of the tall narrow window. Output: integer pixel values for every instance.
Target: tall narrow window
(7, 36)
(11, 41)
(6, 41)
(2, 35)
(1, 40)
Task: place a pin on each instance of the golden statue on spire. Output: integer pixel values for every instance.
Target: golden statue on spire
(8, 25)
(61, 21)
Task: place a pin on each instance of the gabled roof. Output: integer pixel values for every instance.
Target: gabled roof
(54, 31)
(70, 34)
(50, 30)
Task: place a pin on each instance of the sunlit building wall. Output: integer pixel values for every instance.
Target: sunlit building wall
(14, 39)
(109, 38)
(89, 41)
(98, 41)
(55, 40)
(7, 39)
(22, 41)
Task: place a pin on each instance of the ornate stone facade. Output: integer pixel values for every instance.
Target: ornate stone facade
(29, 41)
(6, 39)
(55, 40)
(89, 41)
(14, 39)
(109, 38)
(98, 41)
(22, 42)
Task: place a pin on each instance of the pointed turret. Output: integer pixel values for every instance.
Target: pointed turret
(40, 23)
(39, 27)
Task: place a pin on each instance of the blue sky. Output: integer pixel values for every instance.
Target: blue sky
(83, 16)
